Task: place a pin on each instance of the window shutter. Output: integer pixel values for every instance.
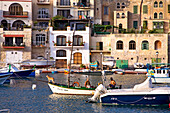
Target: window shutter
(168, 8)
(135, 9)
(145, 9)
(97, 46)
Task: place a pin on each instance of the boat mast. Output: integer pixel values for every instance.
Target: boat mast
(71, 55)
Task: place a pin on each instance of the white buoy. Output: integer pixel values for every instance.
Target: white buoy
(34, 86)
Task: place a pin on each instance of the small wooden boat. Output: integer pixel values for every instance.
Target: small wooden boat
(72, 90)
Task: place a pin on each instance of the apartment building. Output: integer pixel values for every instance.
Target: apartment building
(15, 31)
(42, 13)
(67, 14)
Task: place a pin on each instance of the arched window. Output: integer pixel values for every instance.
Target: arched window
(77, 40)
(155, 4)
(77, 58)
(43, 13)
(61, 40)
(118, 5)
(60, 53)
(155, 15)
(132, 45)
(157, 45)
(18, 25)
(15, 9)
(160, 4)
(117, 15)
(145, 45)
(160, 15)
(40, 39)
(123, 15)
(119, 45)
(123, 5)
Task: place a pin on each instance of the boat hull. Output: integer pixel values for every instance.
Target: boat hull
(144, 99)
(22, 73)
(56, 89)
(4, 77)
(161, 80)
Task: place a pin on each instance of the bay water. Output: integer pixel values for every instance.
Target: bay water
(19, 97)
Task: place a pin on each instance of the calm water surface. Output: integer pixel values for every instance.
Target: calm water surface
(19, 97)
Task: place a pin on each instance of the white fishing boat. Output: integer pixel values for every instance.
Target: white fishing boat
(40, 62)
(159, 75)
(141, 94)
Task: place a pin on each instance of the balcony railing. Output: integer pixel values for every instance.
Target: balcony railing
(39, 43)
(83, 5)
(43, 17)
(23, 14)
(60, 4)
(7, 45)
(43, 2)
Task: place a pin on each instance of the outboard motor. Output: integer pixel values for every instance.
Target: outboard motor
(99, 90)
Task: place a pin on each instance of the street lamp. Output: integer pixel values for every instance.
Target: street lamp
(47, 60)
(157, 58)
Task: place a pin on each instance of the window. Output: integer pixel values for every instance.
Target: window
(168, 8)
(119, 45)
(77, 58)
(99, 45)
(61, 53)
(160, 15)
(118, 5)
(123, 15)
(123, 5)
(145, 9)
(145, 45)
(155, 4)
(65, 2)
(157, 45)
(43, 13)
(105, 23)
(18, 41)
(160, 4)
(16, 9)
(145, 24)
(135, 24)
(43, 24)
(64, 13)
(61, 40)
(106, 10)
(77, 40)
(8, 41)
(158, 25)
(132, 45)
(40, 39)
(155, 15)
(118, 15)
(135, 9)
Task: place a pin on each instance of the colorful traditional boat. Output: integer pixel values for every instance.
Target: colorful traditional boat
(94, 64)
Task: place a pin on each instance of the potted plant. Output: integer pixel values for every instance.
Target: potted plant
(55, 44)
(69, 42)
(82, 43)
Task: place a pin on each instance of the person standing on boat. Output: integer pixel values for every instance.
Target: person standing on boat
(87, 83)
(112, 83)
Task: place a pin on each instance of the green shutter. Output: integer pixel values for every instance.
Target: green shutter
(135, 24)
(135, 9)
(145, 9)
(168, 8)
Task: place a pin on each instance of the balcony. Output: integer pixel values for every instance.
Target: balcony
(69, 46)
(45, 17)
(23, 14)
(86, 5)
(7, 45)
(43, 2)
(39, 44)
(62, 5)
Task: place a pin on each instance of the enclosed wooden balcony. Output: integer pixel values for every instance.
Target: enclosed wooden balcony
(9, 14)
